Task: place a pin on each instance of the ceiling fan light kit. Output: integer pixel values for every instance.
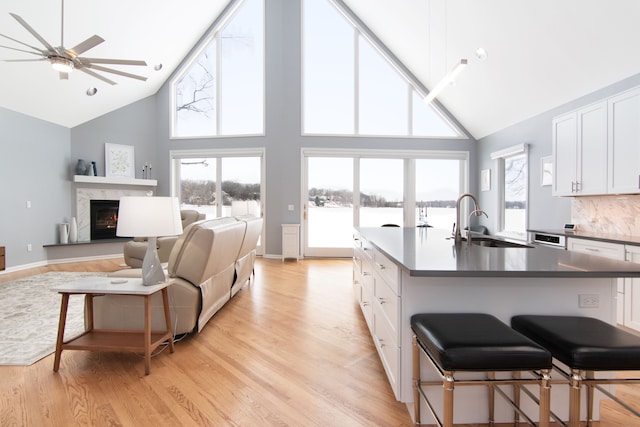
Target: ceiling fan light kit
(62, 65)
(65, 60)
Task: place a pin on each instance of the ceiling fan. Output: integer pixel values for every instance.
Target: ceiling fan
(66, 60)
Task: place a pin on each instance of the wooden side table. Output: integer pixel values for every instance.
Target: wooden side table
(107, 339)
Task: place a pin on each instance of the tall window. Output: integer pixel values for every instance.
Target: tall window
(513, 173)
(221, 89)
(350, 88)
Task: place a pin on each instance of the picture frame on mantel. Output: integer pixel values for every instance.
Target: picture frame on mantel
(119, 160)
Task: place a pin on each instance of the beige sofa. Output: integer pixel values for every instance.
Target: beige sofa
(208, 264)
(135, 250)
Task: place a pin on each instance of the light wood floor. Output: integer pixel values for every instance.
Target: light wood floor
(291, 349)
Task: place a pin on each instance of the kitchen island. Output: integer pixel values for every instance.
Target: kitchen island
(402, 271)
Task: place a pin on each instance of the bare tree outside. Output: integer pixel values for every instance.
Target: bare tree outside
(196, 90)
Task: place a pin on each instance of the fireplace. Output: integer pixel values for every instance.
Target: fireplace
(104, 219)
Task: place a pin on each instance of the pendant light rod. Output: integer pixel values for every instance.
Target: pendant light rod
(446, 81)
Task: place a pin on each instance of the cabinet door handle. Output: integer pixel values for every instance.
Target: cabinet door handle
(381, 267)
(382, 301)
(593, 249)
(573, 186)
(366, 273)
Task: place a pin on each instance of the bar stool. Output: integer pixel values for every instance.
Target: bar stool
(476, 342)
(584, 345)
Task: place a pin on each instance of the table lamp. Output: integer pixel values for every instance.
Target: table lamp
(149, 217)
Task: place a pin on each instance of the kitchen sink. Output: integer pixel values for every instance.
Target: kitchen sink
(496, 243)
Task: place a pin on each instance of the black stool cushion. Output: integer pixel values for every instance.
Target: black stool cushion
(477, 342)
(582, 342)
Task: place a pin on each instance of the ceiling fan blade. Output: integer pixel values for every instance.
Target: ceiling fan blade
(112, 61)
(89, 43)
(96, 75)
(42, 52)
(22, 50)
(118, 72)
(24, 60)
(33, 32)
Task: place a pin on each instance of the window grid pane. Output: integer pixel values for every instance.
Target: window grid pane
(515, 194)
(233, 64)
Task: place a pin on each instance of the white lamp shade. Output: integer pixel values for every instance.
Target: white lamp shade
(149, 217)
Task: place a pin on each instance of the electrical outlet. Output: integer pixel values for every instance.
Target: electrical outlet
(29, 247)
(589, 301)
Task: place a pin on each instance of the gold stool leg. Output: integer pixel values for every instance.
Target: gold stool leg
(516, 398)
(492, 398)
(574, 398)
(590, 392)
(545, 398)
(448, 386)
(416, 380)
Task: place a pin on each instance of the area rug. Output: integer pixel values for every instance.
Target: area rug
(29, 313)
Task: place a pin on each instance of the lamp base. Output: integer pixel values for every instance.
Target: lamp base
(152, 272)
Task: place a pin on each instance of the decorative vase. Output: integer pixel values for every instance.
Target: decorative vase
(73, 230)
(63, 233)
(81, 167)
(95, 169)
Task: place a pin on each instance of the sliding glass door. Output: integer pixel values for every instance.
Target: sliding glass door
(405, 189)
(328, 208)
(219, 183)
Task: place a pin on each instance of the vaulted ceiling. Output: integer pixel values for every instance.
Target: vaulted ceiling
(541, 53)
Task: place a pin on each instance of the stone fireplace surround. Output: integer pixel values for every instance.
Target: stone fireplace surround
(100, 188)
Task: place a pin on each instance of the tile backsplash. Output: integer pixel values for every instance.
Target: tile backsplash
(607, 214)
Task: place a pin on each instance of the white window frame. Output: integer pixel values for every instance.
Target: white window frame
(409, 199)
(499, 157)
(414, 84)
(214, 34)
(176, 155)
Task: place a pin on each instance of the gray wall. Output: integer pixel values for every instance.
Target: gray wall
(545, 211)
(34, 161)
(133, 124)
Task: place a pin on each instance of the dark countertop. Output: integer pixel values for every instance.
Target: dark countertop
(602, 237)
(430, 252)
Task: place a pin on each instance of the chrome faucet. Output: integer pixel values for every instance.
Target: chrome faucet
(457, 235)
(476, 212)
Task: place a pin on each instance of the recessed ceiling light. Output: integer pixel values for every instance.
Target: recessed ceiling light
(157, 67)
(481, 54)
(92, 91)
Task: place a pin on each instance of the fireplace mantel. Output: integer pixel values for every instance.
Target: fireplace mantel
(114, 180)
(89, 188)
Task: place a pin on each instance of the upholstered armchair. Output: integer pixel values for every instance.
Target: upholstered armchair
(134, 250)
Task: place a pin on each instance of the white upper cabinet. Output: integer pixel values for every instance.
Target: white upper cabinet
(596, 149)
(565, 149)
(580, 152)
(624, 142)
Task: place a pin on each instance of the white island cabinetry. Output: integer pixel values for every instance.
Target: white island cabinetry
(423, 271)
(376, 283)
